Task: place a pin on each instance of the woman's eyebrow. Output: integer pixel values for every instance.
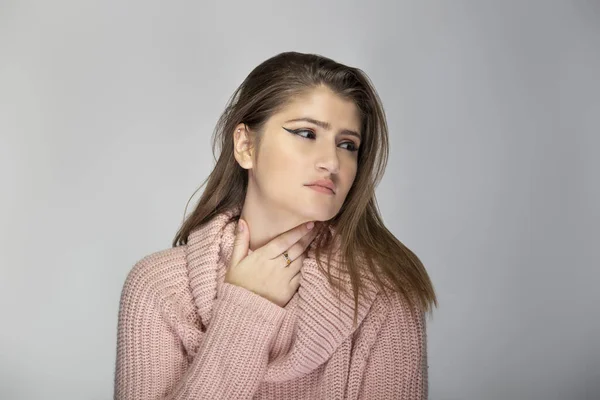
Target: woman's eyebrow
(324, 125)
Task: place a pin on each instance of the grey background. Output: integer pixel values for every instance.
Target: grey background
(106, 111)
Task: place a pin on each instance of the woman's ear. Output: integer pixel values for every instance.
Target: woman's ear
(243, 147)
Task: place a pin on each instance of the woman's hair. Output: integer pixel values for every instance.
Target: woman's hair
(367, 249)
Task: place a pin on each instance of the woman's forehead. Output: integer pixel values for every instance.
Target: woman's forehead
(325, 110)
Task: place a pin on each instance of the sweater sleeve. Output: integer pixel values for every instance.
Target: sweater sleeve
(231, 358)
(396, 367)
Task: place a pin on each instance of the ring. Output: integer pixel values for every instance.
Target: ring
(287, 258)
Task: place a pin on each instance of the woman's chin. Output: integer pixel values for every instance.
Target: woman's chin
(318, 214)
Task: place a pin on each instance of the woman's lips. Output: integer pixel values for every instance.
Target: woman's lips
(320, 189)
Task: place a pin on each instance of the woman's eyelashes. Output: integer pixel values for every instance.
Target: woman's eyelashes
(353, 146)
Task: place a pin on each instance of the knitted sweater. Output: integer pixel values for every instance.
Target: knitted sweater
(183, 333)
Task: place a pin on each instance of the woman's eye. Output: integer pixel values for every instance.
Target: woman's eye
(352, 146)
(297, 132)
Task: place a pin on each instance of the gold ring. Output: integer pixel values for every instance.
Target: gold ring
(287, 258)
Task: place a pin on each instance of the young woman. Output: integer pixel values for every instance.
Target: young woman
(250, 302)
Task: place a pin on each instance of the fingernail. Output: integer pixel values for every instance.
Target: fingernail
(310, 225)
(240, 226)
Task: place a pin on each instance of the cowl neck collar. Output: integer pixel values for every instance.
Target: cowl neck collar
(318, 322)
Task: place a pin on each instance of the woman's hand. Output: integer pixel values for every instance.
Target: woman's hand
(264, 272)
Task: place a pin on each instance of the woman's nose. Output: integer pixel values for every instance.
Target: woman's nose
(328, 159)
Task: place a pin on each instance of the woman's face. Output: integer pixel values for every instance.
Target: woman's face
(294, 154)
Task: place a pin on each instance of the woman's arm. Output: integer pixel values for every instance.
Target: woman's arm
(396, 367)
(230, 361)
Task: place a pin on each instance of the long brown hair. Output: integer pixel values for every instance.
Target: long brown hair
(367, 249)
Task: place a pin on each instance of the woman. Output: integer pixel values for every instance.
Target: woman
(252, 303)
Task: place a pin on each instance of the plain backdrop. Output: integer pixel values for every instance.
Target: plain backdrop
(106, 113)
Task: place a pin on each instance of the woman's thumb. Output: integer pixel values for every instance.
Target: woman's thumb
(240, 243)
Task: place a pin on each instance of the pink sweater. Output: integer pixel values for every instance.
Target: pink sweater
(185, 334)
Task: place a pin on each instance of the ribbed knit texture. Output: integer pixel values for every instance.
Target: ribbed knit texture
(185, 334)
